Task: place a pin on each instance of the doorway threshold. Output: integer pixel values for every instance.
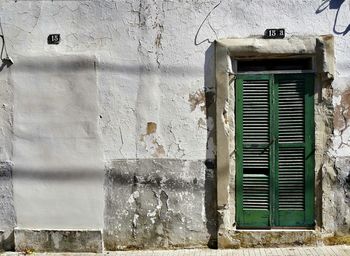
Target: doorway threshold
(275, 237)
(277, 230)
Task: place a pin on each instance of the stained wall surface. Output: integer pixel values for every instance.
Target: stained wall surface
(130, 82)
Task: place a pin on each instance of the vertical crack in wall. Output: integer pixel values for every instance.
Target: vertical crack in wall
(180, 152)
(159, 27)
(140, 16)
(149, 90)
(136, 200)
(161, 217)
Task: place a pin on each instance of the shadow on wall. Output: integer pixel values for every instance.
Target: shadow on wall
(7, 61)
(42, 64)
(335, 5)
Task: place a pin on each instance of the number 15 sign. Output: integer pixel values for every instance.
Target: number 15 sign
(274, 33)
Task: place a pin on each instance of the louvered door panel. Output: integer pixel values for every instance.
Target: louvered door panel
(293, 149)
(255, 112)
(291, 131)
(256, 159)
(254, 189)
(291, 179)
(255, 145)
(291, 111)
(255, 178)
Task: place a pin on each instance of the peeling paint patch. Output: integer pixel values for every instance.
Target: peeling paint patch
(197, 99)
(339, 120)
(345, 99)
(341, 123)
(342, 112)
(151, 140)
(133, 197)
(158, 41)
(151, 128)
(159, 149)
(201, 123)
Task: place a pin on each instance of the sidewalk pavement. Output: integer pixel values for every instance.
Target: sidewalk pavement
(338, 250)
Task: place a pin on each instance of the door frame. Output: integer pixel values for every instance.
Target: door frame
(226, 52)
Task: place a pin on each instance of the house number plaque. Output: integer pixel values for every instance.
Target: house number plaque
(54, 39)
(274, 33)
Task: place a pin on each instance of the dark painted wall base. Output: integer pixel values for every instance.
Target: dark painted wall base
(58, 240)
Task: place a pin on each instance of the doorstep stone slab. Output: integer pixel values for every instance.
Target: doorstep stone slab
(275, 238)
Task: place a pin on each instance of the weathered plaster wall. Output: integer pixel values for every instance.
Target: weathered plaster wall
(7, 209)
(159, 203)
(150, 65)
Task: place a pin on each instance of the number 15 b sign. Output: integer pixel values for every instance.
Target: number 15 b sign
(274, 33)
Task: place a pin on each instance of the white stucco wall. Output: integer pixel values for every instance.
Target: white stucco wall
(149, 69)
(58, 162)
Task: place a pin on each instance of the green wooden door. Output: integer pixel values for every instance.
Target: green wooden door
(275, 150)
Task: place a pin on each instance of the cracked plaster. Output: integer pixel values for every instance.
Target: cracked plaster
(147, 68)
